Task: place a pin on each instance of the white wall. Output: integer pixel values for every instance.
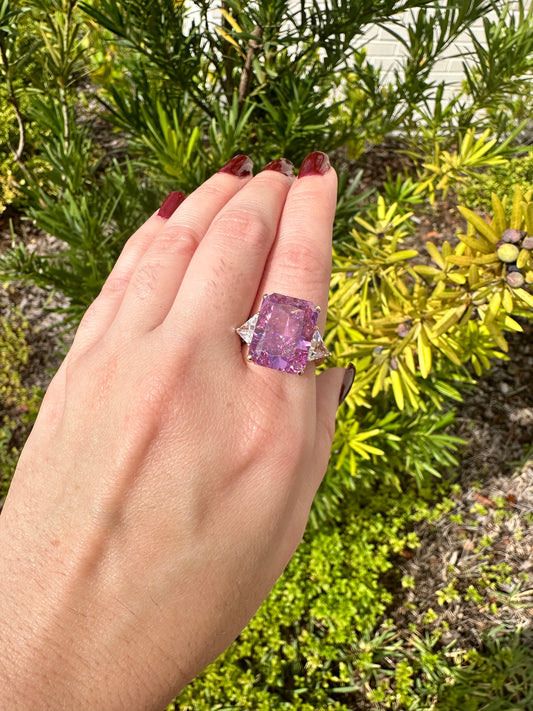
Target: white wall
(385, 51)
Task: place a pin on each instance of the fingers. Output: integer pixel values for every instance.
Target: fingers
(224, 274)
(104, 308)
(332, 387)
(299, 264)
(157, 277)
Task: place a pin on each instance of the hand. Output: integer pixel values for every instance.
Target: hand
(167, 481)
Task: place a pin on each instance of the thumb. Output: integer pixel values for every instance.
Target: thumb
(333, 386)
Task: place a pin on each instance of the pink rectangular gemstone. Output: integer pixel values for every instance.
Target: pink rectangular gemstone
(283, 333)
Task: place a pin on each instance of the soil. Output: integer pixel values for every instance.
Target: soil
(496, 420)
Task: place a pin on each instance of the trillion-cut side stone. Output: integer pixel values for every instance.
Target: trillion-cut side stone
(283, 333)
(246, 331)
(318, 349)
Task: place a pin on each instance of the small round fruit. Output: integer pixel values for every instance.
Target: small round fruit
(528, 243)
(513, 236)
(515, 280)
(508, 253)
(403, 329)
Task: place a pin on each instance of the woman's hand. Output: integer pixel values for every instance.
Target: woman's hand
(167, 480)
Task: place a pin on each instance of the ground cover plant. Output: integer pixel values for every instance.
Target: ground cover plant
(131, 100)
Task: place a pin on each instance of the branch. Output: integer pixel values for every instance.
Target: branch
(246, 76)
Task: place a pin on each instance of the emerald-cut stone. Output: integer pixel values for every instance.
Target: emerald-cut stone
(283, 333)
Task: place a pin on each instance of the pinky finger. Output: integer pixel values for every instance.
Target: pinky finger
(101, 313)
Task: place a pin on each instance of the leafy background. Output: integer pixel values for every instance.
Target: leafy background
(413, 586)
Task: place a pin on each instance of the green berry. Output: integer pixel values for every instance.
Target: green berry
(508, 253)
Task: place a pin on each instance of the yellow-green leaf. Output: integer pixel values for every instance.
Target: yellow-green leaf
(424, 353)
(400, 256)
(493, 308)
(230, 39)
(497, 335)
(397, 389)
(435, 254)
(507, 301)
(516, 211)
(498, 220)
(480, 244)
(524, 296)
(448, 320)
(231, 20)
(523, 258)
(512, 325)
(479, 223)
(459, 260)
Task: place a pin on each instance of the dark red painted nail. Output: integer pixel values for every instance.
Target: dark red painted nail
(241, 166)
(347, 383)
(171, 204)
(281, 165)
(316, 163)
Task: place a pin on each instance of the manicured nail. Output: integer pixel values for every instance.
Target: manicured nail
(316, 163)
(347, 383)
(281, 165)
(171, 204)
(241, 166)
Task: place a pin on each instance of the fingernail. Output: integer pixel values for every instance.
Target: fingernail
(241, 166)
(316, 163)
(347, 383)
(171, 204)
(281, 165)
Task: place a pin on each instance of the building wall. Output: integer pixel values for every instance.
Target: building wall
(385, 51)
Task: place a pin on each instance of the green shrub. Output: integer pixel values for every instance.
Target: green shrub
(498, 677)
(402, 321)
(500, 180)
(18, 404)
(293, 654)
(176, 100)
(185, 92)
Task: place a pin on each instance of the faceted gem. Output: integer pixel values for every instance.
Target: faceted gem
(283, 333)
(317, 349)
(246, 331)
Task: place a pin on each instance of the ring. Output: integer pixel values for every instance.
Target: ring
(283, 335)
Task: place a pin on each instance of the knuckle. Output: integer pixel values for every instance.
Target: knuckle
(280, 439)
(179, 240)
(155, 397)
(245, 226)
(300, 259)
(213, 191)
(116, 283)
(145, 279)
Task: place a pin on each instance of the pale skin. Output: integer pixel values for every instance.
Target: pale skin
(167, 480)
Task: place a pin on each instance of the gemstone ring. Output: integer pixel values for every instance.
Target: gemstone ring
(283, 334)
